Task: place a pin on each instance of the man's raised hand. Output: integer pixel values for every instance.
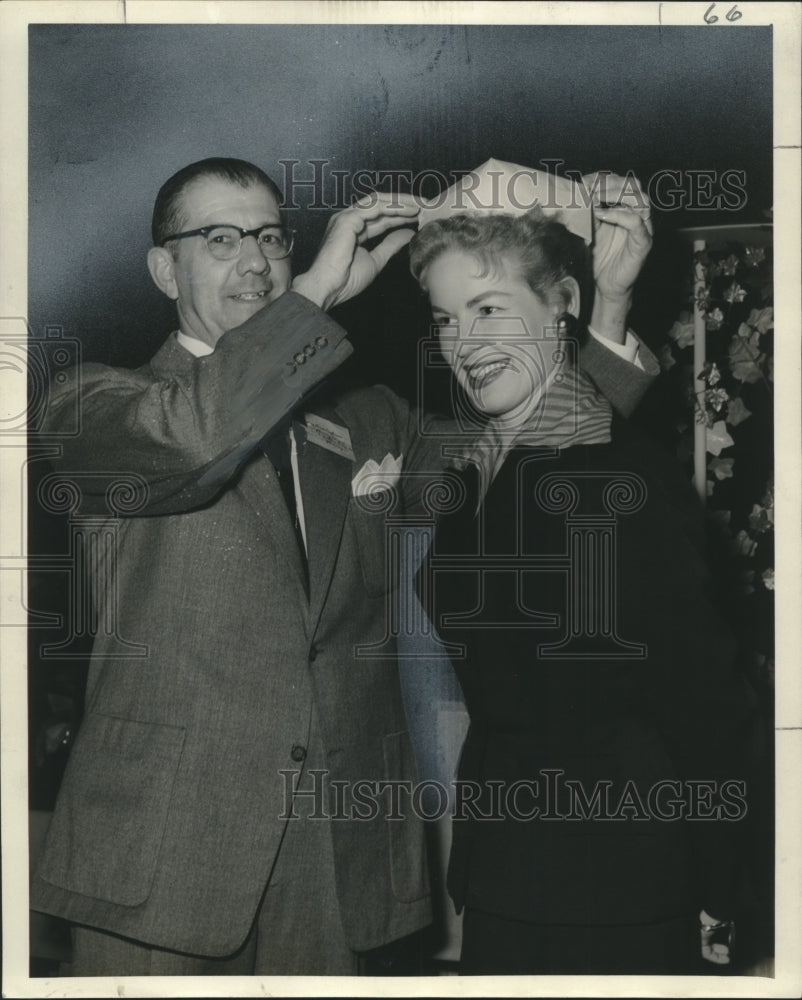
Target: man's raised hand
(343, 266)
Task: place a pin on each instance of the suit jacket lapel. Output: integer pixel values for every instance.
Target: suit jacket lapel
(257, 480)
(325, 489)
(261, 489)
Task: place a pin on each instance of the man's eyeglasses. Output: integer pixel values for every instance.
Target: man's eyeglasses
(225, 241)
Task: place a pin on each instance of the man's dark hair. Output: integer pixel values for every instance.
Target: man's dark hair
(168, 215)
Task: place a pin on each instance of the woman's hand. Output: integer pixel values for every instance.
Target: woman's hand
(622, 240)
(622, 232)
(343, 266)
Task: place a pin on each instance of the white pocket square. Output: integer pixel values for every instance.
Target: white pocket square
(374, 478)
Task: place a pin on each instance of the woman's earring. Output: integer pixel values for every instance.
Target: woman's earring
(567, 326)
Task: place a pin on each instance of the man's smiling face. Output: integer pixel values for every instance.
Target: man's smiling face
(214, 296)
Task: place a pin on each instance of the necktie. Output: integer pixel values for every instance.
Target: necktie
(276, 447)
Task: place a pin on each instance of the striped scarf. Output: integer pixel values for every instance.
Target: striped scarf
(568, 411)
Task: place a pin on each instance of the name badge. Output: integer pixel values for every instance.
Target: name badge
(327, 435)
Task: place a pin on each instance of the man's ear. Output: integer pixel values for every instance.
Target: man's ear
(568, 297)
(161, 265)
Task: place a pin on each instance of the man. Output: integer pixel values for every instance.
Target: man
(251, 576)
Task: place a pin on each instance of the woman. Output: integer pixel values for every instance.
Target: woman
(598, 802)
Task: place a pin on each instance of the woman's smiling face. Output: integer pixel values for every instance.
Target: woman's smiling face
(498, 336)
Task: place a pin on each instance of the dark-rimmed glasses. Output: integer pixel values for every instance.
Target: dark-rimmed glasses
(224, 241)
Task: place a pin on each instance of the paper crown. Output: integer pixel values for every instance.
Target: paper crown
(508, 189)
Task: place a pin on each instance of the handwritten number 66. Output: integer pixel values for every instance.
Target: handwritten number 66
(733, 14)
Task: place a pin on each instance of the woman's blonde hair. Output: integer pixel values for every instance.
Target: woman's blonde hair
(544, 250)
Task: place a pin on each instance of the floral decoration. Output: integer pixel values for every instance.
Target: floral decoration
(733, 292)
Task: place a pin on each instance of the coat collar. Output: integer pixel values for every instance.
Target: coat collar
(326, 489)
(172, 358)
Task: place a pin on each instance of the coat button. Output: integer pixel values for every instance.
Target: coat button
(313, 654)
(298, 753)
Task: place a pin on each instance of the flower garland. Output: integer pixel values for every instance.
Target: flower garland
(734, 295)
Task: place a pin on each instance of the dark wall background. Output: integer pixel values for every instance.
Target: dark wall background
(115, 109)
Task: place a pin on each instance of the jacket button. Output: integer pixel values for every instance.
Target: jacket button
(298, 753)
(313, 654)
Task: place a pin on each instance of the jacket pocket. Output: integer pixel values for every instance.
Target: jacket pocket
(108, 826)
(408, 869)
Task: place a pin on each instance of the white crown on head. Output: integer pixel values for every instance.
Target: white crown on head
(509, 189)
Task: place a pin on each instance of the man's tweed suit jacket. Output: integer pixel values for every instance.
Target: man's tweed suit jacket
(168, 820)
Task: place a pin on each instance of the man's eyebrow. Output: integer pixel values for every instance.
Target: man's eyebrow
(262, 225)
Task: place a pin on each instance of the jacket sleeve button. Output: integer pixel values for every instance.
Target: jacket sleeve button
(298, 753)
